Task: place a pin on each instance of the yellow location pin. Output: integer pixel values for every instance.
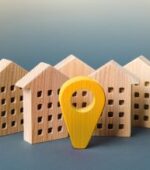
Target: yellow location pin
(81, 122)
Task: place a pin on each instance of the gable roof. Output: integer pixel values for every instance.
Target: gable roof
(4, 63)
(141, 59)
(113, 63)
(77, 63)
(34, 73)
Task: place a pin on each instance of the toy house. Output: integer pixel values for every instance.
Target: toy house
(140, 92)
(116, 117)
(11, 98)
(72, 67)
(43, 120)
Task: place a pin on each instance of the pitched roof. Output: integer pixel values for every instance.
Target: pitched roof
(77, 63)
(34, 73)
(141, 59)
(133, 78)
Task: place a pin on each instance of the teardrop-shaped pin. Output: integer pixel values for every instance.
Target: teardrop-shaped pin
(81, 122)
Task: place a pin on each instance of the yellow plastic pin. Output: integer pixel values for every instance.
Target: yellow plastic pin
(81, 122)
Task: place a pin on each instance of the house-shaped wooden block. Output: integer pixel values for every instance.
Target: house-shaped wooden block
(43, 120)
(140, 92)
(11, 98)
(72, 67)
(116, 117)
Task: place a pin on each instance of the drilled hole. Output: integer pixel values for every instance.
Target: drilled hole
(3, 113)
(110, 114)
(50, 130)
(146, 95)
(121, 102)
(146, 106)
(121, 126)
(84, 93)
(21, 110)
(12, 99)
(59, 128)
(21, 121)
(136, 117)
(39, 119)
(146, 83)
(49, 92)
(59, 116)
(49, 105)
(99, 126)
(136, 106)
(39, 93)
(74, 94)
(4, 125)
(12, 87)
(2, 89)
(136, 94)
(84, 104)
(39, 106)
(3, 101)
(121, 114)
(12, 111)
(13, 123)
(145, 118)
(58, 91)
(121, 89)
(110, 102)
(110, 89)
(21, 98)
(110, 126)
(39, 132)
(50, 117)
(74, 104)
(58, 104)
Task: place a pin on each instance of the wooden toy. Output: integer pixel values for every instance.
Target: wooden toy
(116, 118)
(43, 120)
(72, 67)
(81, 121)
(140, 67)
(11, 98)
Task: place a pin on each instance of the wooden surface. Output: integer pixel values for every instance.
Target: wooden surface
(11, 98)
(116, 118)
(140, 67)
(44, 120)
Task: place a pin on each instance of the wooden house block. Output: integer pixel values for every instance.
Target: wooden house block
(140, 67)
(72, 67)
(116, 117)
(43, 120)
(11, 98)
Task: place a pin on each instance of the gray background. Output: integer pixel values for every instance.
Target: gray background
(96, 31)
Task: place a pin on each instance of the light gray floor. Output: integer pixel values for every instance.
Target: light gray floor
(104, 153)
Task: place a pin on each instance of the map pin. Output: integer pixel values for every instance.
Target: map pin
(81, 122)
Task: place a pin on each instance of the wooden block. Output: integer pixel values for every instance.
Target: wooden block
(72, 67)
(11, 98)
(43, 120)
(116, 118)
(140, 67)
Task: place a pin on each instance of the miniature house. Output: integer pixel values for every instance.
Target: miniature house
(140, 92)
(43, 120)
(72, 67)
(116, 117)
(11, 98)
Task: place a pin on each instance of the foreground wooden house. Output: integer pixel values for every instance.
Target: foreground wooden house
(140, 67)
(11, 98)
(116, 117)
(43, 120)
(72, 67)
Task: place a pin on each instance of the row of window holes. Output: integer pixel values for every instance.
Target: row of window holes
(13, 124)
(146, 83)
(84, 93)
(110, 126)
(12, 112)
(111, 114)
(145, 118)
(12, 100)
(3, 89)
(137, 106)
(40, 118)
(137, 94)
(111, 102)
(49, 106)
(111, 89)
(50, 130)
(49, 93)
(84, 104)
